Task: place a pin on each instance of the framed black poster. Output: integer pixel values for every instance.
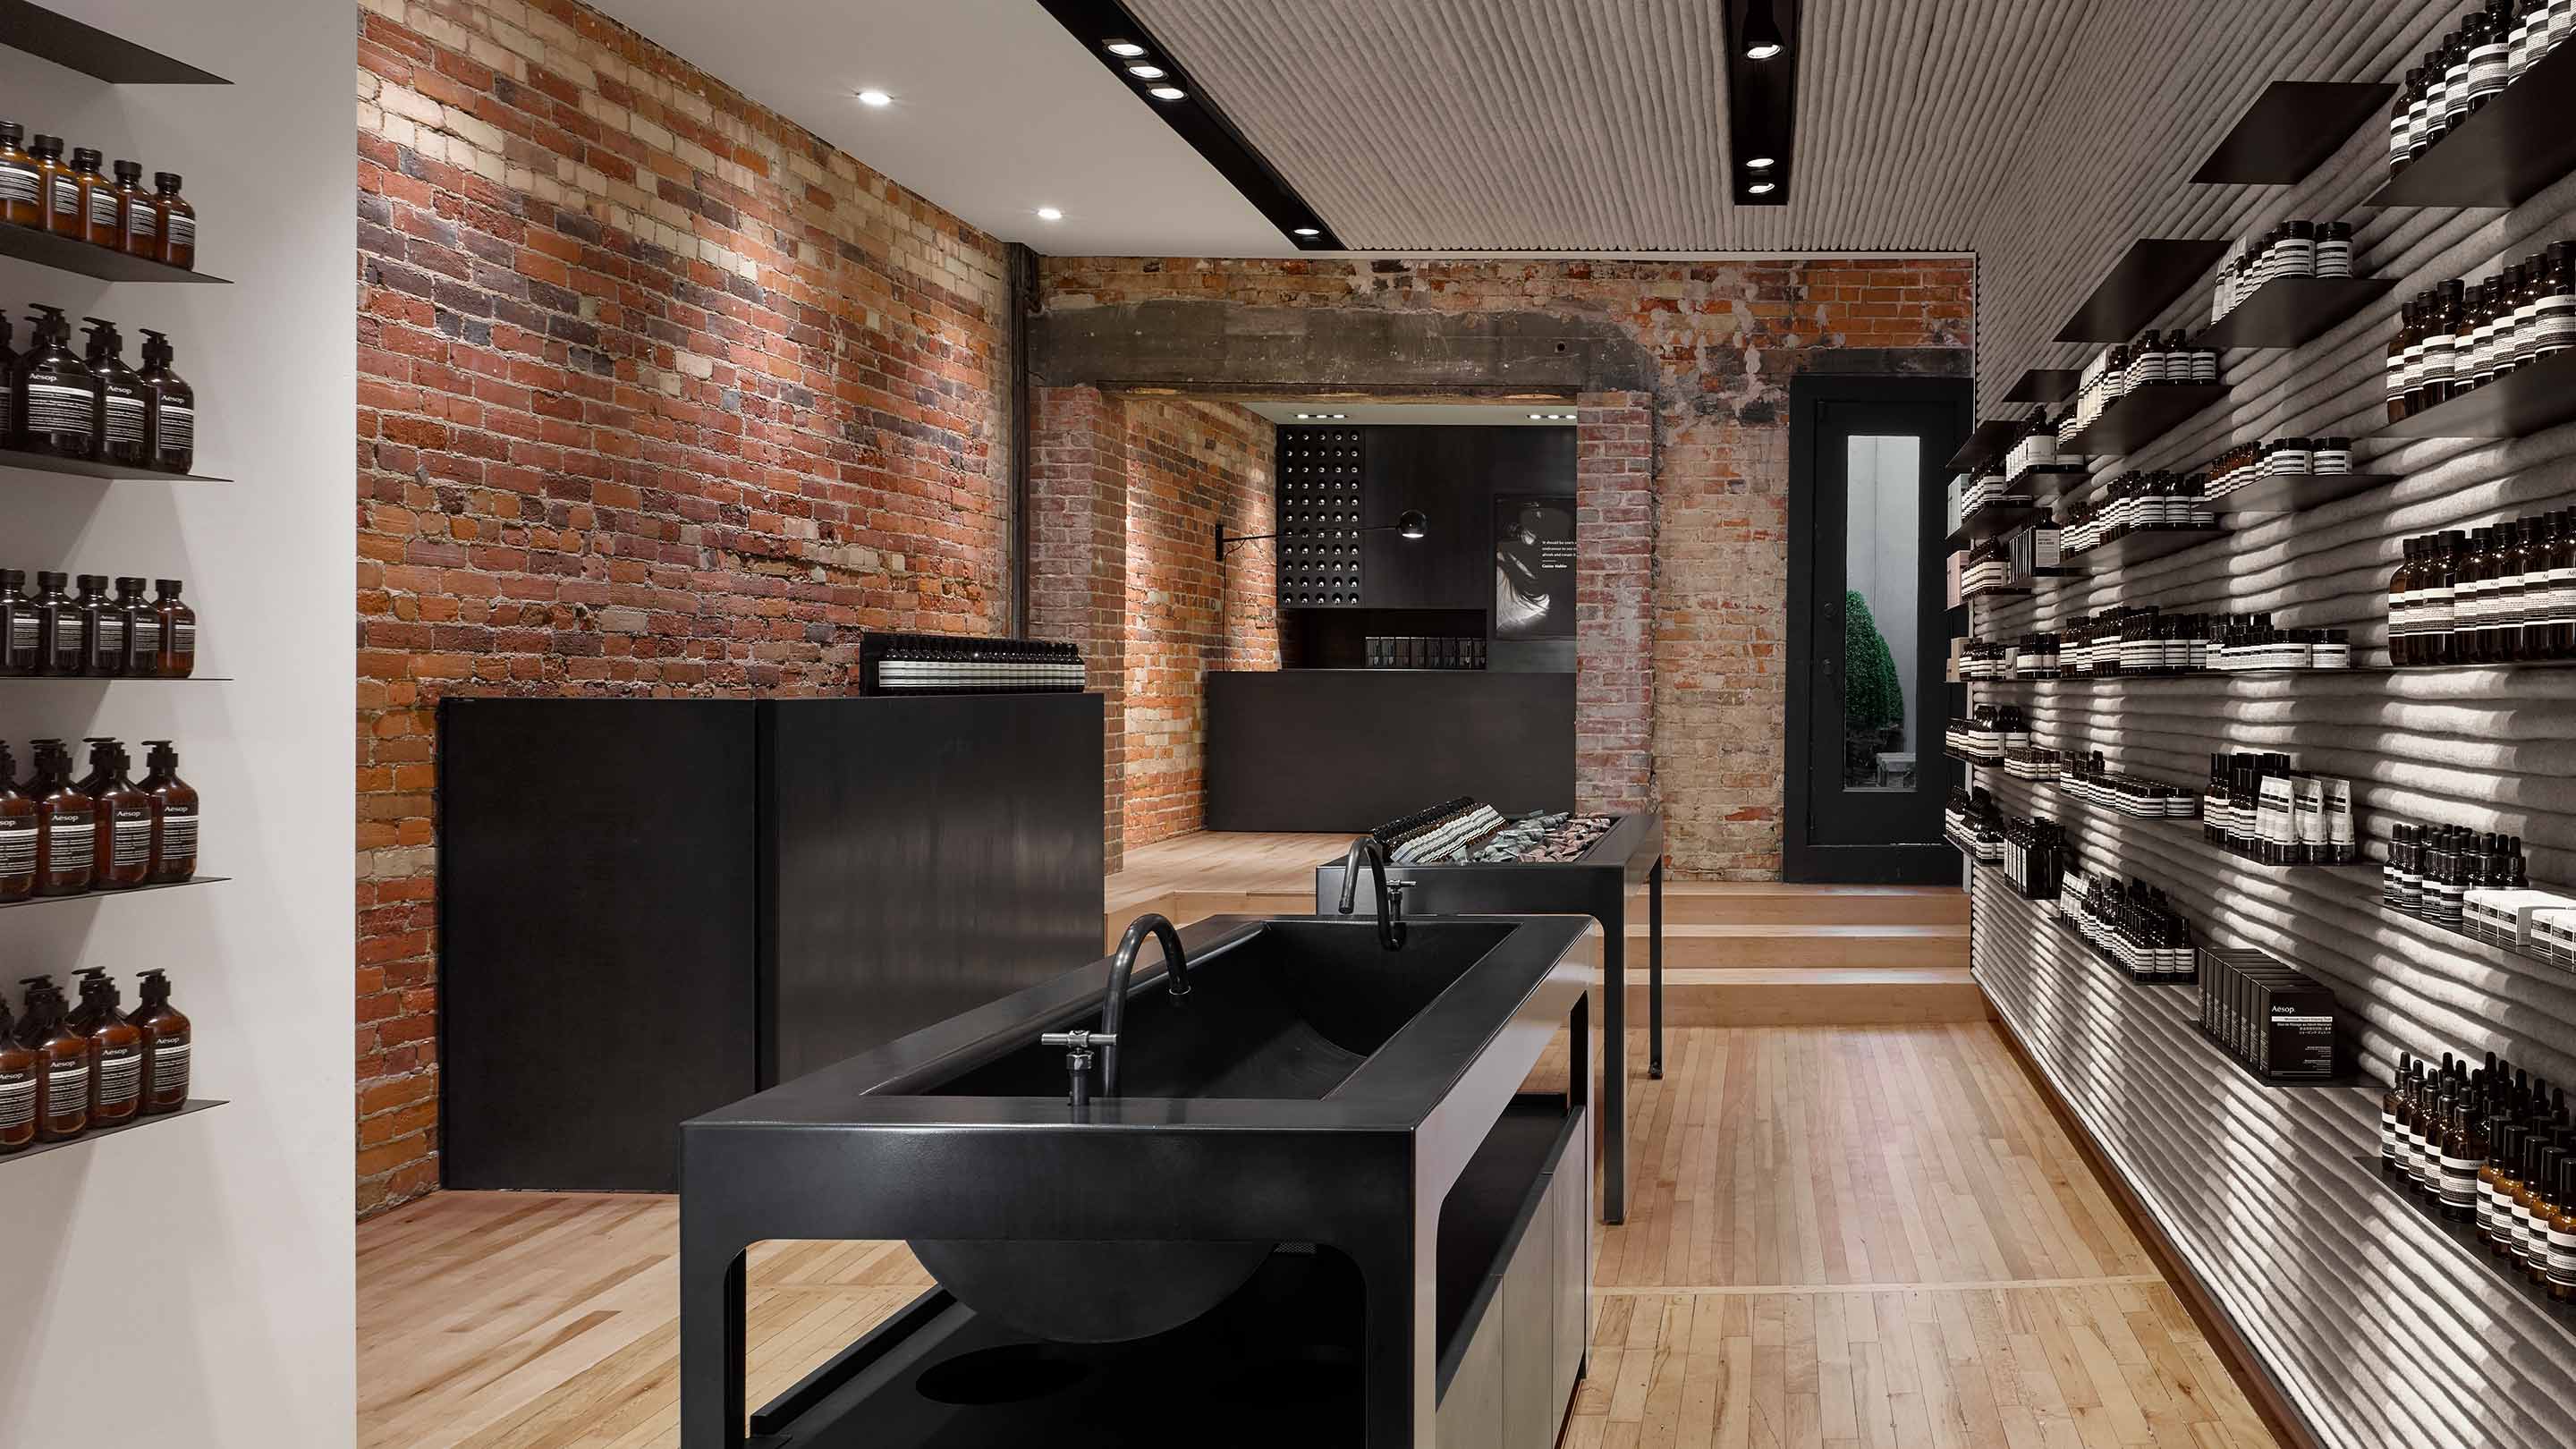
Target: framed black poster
(1533, 566)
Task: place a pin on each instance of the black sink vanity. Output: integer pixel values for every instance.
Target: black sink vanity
(1336, 1199)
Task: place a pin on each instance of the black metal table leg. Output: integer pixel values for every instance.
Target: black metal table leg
(1614, 1062)
(1655, 971)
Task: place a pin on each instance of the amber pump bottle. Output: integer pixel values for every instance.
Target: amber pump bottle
(178, 221)
(58, 186)
(62, 1063)
(102, 629)
(118, 431)
(22, 193)
(138, 222)
(66, 824)
(142, 623)
(167, 1038)
(54, 394)
(115, 1053)
(19, 652)
(174, 815)
(178, 657)
(17, 834)
(171, 422)
(17, 1088)
(124, 814)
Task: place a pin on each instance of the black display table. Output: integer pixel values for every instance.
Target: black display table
(1595, 885)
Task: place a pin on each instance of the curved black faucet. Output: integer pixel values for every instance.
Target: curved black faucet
(1390, 895)
(1113, 1012)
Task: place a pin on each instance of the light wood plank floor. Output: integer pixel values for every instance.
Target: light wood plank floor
(1861, 1236)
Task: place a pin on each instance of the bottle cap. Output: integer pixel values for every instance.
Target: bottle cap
(93, 581)
(45, 142)
(128, 583)
(47, 578)
(166, 180)
(129, 171)
(167, 586)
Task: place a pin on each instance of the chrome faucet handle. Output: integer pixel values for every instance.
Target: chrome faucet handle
(1078, 1039)
(1077, 1060)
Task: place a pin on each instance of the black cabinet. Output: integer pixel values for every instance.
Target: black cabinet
(649, 908)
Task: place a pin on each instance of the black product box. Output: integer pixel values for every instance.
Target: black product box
(2274, 1018)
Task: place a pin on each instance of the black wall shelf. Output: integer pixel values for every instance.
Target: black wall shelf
(66, 42)
(2290, 130)
(2155, 272)
(2506, 152)
(2138, 546)
(71, 254)
(2524, 400)
(2060, 480)
(1984, 445)
(2046, 385)
(2143, 416)
(2294, 492)
(2287, 311)
(15, 679)
(89, 468)
(189, 1108)
(112, 895)
(1995, 520)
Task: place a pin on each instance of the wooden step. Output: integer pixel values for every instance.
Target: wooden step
(1774, 903)
(1810, 997)
(1761, 947)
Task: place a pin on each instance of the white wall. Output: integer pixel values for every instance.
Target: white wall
(190, 1283)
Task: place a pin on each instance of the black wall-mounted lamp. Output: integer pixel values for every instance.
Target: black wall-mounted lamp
(1411, 523)
(1762, 97)
(1761, 31)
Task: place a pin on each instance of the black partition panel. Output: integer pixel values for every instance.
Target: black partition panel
(649, 908)
(1349, 749)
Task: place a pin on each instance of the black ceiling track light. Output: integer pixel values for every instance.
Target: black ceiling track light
(1115, 40)
(1761, 98)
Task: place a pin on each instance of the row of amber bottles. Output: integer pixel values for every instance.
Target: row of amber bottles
(65, 1071)
(106, 831)
(2504, 594)
(2459, 337)
(39, 189)
(57, 633)
(55, 401)
(2490, 1147)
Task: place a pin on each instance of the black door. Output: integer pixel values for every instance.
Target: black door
(1868, 628)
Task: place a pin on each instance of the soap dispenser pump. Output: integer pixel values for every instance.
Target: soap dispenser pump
(119, 400)
(167, 1036)
(17, 834)
(66, 824)
(115, 1052)
(124, 815)
(17, 1088)
(62, 1063)
(174, 816)
(172, 420)
(56, 396)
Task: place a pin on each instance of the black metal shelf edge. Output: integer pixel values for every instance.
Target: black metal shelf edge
(190, 1108)
(2046, 385)
(2506, 152)
(2288, 311)
(2292, 492)
(112, 895)
(1995, 520)
(2524, 400)
(2144, 416)
(2140, 546)
(1983, 445)
(6, 679)
(2150, 277)
(2069, 478)
(2466, 1234)
(68, 43)
(70, 254)
(2290, 130)
(88, 468)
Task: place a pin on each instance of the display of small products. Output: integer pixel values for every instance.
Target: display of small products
(2288, 249)
(2495, 44)
(1540, 839)
(92, 406)
(2264, 811)
(2504, 594)
(66, 1071)
(966, 664)
(2033, 762)
(39, 189)
(1991, 730)
(2092, 780)
(61, 634)
(2477, 883)
(105, 831)
(2035, 447)
(1979, 660)
(1990, 490)
(1408, 651)
(2251, 463)
(2151, 361)
(2458, 337)
(2489, 1147)
(2278, 1021)
(1971, 822)
(2141, 640)
(2135, 929)
(1998, 563)
(1467, 831)
(2135, 503)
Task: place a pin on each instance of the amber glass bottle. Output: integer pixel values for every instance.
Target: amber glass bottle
(115, 1053)
(18, 648)
(124, 828)
(119, 425)
(62, 1063)
(142, 629)
(178, 657)
(17, 834)
(138, 221)
(60, 188)
(54, 397)
(178, 221)
(66, 824)
(22, 194)
(2562, 1234)
(174, 816)
(172, 422)
(102, 629)
(61, 646)
(17, 1088)
(97, 198)
(166, 1042)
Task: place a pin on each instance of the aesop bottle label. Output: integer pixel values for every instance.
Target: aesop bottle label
(2486, 1208)
(17, 1099)
(179, 835)
(102, 207)
(66, 197)
(124, 418)
(2562, 1249)
(178, 427)
(18, 183)
(2459, 1180)
(69, 842)
(54, 407)
(170, 1066)
(147, 636)
(183, 231)
(120, 1076)
(111, 632)
(131, 844)
(142, 220)
(17, 851)
(66, 1084)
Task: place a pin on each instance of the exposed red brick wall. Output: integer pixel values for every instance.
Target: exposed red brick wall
(1718, 341)
(1191, 467)
(658, 394)
(1614, 601)
(1078, 561)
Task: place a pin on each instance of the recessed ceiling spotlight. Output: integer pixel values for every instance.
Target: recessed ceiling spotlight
(1762, 163)
(1761, 32)
(1305, 231)
(1146, 72)
(1122, 47)
(1762, 188)
(1049, 213)
(1167, 93)
(875, 98)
